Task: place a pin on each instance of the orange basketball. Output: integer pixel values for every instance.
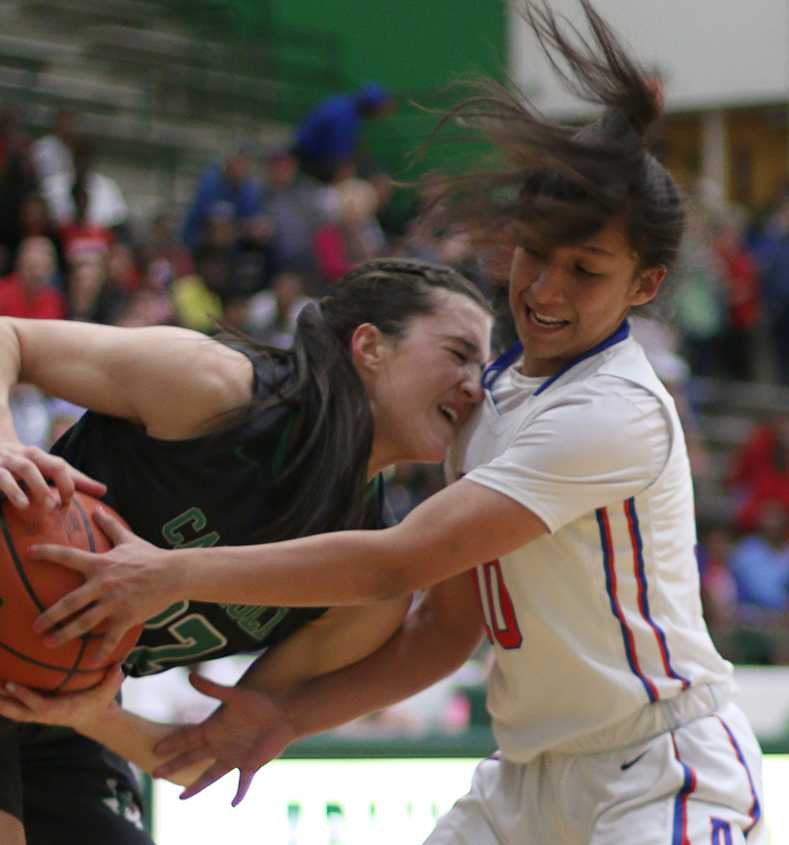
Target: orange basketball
(29, 586)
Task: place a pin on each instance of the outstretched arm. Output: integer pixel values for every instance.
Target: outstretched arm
(437, 636)
(463, 525)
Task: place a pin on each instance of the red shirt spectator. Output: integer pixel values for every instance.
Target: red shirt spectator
(741, 276)
(28, 291)
(355, 235)
(80, 238)
(771, 488)
(760, 471)
(16, 302)
(331, 252)
(765, 450)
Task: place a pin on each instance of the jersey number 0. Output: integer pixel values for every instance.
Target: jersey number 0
(501, 624)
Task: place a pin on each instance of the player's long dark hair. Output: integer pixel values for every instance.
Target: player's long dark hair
(553, 184)
(323, 483)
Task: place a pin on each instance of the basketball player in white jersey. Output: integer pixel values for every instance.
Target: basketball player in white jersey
(610, 704)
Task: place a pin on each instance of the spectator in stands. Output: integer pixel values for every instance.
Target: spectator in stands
(270, 316)
(701, 299)
(197, 298)
(230, 185)
(297, 206)
(248, 261)
(105, 204)
(162, 244)
(35, 219)
(327, 140)
(53, 153)
(12, 135)
(760, 471)
(718, 586)
(91, 296)
(17, 180)
(773, 258)
(146, 307)
(30, 290)
(760, 562)
(251, 268)
(741, 280)
(220, 228)
(354, 235)
(123, 272)
(660, 344)
(771, 488)
(759, 452)
(80, 234)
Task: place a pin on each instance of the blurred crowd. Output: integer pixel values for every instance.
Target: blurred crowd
(744, 559)
(269, 229)
(732, 300)
(728, 321)
(260, 236)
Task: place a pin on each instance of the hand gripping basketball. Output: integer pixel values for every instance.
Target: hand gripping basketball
(29, 586)
(123, 587)
(77, 710)
(31, 476)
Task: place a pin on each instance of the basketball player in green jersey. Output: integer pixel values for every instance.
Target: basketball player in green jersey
(201, 443)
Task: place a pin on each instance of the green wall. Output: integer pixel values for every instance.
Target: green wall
(409, 46)
(414, 48)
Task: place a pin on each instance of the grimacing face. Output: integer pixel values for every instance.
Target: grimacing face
(423, 386)
(569, 300)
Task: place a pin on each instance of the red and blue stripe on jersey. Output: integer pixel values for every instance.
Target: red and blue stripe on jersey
(689, 783)
(631, 645)
(720, 829)
(755, 810)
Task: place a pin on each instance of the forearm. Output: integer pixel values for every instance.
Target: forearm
(7, 427)
(342, 636)
(436, 638)
(134, 737)
(452, 531)
(341, 568)
(9, 375)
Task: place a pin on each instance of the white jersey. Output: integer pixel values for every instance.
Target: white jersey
(602, 615)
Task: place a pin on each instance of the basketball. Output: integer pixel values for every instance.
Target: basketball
(29, 586)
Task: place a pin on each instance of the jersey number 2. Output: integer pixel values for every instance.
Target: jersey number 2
(501, 624)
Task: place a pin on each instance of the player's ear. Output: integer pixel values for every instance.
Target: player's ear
(367, 348)
(646, 284)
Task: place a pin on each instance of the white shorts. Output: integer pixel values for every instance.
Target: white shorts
(698, 783)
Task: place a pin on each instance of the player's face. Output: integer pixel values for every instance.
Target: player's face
(567, 301)
(427, 382)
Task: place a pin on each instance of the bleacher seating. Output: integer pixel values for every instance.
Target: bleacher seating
(155, 89)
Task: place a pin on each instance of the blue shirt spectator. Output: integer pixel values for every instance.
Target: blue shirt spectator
(760, 564)
(297, 206)
(772, 256)
(227, 185)
(328, 136)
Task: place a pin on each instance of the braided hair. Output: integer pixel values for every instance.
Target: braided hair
(323, 483)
